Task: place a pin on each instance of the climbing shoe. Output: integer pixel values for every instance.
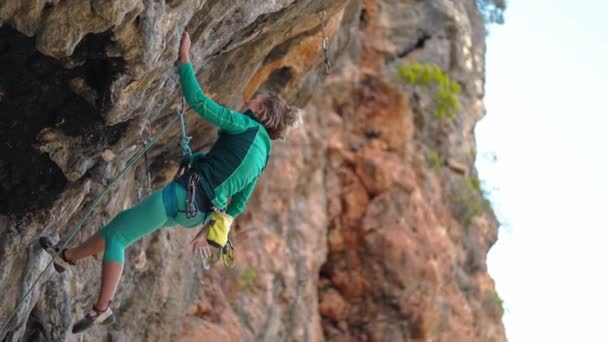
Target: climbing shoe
(94, 316)
(60, 263)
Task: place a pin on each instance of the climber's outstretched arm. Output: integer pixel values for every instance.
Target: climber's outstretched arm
(226, 119)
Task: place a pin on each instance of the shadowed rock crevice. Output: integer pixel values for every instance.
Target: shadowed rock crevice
(39, 92)
(419, 44)
(34, 330)
(277, 80)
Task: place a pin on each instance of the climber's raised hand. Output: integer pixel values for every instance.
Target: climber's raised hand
(184, 48)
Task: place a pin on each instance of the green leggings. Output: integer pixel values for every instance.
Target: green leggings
(151, 214)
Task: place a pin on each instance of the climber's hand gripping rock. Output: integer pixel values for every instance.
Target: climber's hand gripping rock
(184, 49)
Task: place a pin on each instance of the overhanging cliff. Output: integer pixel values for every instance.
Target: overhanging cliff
(368, 223)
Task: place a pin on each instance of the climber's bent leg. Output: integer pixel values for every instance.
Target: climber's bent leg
(127, 227)
(132, 224)
(95, 244)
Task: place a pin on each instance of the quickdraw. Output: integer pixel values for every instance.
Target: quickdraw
(325, 43)
(186, 151)
(148, 185)
(192, 208)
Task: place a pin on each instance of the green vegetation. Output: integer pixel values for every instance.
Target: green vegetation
(435, 159)
(441, 320)
(474, 183)
(445, 90)
(241, 282)
(468, 200)
(495, 298)
(239, 311)
(248, 278)
(323, 290)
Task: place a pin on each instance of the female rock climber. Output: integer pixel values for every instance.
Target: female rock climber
(229, 170)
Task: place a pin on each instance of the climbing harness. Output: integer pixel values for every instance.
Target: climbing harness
(325, 43)
(186, 150)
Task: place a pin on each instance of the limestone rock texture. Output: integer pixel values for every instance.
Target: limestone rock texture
(354, 233)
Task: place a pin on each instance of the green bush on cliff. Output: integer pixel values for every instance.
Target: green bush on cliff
(435, 160)
(493, 299)
(248, 278)
(445, 91)
(468, 200)
(323, 290)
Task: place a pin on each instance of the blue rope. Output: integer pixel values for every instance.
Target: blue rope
(185, 148)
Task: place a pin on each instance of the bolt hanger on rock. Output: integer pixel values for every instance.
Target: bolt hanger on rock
(325, 43)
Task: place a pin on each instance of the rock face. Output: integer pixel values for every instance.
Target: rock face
(353, 233)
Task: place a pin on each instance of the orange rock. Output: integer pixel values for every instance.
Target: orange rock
(195, 329)
(336, 241)
(333, 306)
(354, 198)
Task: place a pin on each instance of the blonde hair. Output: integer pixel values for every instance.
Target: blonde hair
(277, 116)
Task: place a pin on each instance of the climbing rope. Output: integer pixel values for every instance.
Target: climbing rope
(325, 43)
(185, 148)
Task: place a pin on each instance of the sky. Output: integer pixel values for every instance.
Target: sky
(547, 123)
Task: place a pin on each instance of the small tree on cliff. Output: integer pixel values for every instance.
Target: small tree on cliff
(445, 91)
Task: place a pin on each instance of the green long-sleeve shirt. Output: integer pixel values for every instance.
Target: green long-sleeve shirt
(238, 157)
